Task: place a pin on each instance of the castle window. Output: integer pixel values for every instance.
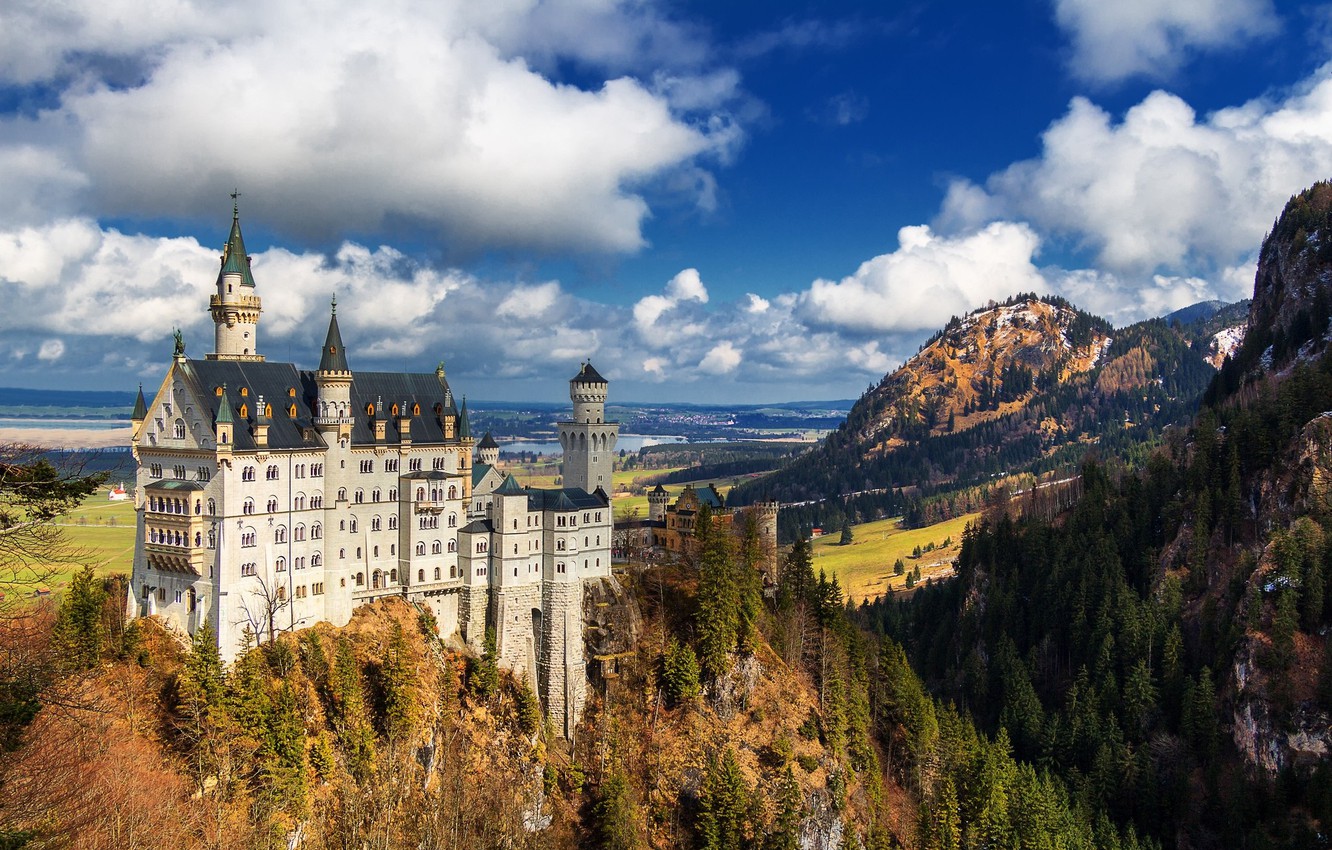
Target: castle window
(247, 473)
(453, 520)
(203, 474)
(435, 548)
(298, 533)
(395, 410)
(299, 563)
(342, 555)
(198, 507)
(416, 411)
(353, 530)
(358, 553)
(375, 552)
(212, 540)
(291, 411)
(298, 503)
(420, 548)
(359, 497)
(316, 531)
(374, 495)
(367, 466)
(453, 570)
(342, 494)
(391, 464)
(393, 522)
(155, 471)
(272, 504)
(559, 545)
(453, 492)
(248, 569)
(414, 464)
(375, 523)
(271, 473)
(248, 507)
(179, 471)
(317, 500)
(179, 430)
(598, 516)
(453, 545)
(316, 470)
(245, 391)
(393, 575)
(436, 573)
(360, 579)
(393, 494)
(420, 494)
(420, 575)
(480, 546)
(281, 593)
(374, 580)
(280, 565)
(247, 539)
(244, 410)
(316, 560)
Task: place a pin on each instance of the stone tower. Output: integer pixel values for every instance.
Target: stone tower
(766, 514)
(488, 450)
(657, 501)
(588, 440)
(234, 306)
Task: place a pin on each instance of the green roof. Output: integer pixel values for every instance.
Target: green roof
(224, 416)
(464, 427)
(234, 258)
(140, 407)
(510, 487)
(334, 356)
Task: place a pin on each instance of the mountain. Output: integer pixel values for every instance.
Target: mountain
(1194, 313)
(1165, 646)
(1026, 387)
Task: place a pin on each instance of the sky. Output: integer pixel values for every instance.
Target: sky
(743, 202)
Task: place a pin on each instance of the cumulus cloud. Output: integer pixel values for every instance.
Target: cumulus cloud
(927, 279)
(1163, 190)
(721, 358)
(686, 286)
(1112, 41)
(365, 118)
(52, 349)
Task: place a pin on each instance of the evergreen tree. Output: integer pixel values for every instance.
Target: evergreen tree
(784, 834)
(347, 701)
(679, 674)
(795, 580)
(79, 632)
(723, 818)
(616, 816)
(399, 683)
(717, 612)
(846, 534)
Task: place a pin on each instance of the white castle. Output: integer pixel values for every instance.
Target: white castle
(271, 498)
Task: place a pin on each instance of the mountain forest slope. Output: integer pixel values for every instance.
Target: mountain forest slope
(1028, 386)
(1166, 646)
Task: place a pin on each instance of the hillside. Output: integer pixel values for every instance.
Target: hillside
(1166, 645)
(1027, 387)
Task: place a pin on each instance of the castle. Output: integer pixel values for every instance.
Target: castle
(669, 528)
(271, 498)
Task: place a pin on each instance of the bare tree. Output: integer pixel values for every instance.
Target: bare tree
(261, 609)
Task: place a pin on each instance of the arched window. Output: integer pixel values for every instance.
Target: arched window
(420, 548)
(453, 520)
(420, 575)
(393, 522)
(393, 494)
(280, 565)
(436, 573)
(375, 523)
(317, 531)
(375, 553)
(198, 538)
(374, 580)
(393, 575)
(360, 579)
(453, 545)
(298, 533)
(374, 495)
(359, 496)
(280, 534)
(272, 504)
(316, 560)
(342, 494)
(353, 525)
(436, 548)
(453, 491)
(420, 494)
(212, 507)
(248, 506)
(198, 507)
(247, 473)
(180, 429)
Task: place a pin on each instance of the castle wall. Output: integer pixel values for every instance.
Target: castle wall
(563, 668)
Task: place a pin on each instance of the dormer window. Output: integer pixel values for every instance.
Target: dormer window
(370, 409)
(245, 411)
(245, 391)
(416, 410)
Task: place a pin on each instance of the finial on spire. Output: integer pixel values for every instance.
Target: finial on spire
(335, 303)
(235, 204)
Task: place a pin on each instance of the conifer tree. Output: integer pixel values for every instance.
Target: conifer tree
(347, 701)
(679, 674)
(723, 819)
(399, 686)
(616, 815)
(784, 833)
(717, 615)
(79, 632)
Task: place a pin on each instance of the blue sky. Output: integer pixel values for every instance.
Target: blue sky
(740, 201)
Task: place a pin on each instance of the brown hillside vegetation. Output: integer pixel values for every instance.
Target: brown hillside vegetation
(375, 736)
(961, 374)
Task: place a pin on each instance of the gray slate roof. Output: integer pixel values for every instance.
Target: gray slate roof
(275, 382)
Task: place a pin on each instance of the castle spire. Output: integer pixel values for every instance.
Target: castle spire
(333, 358)
(235, 307)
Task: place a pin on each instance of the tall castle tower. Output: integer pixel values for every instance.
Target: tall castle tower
(589, 440)
(235, 307)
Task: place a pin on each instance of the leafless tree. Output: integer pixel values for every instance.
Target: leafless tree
(261, 609)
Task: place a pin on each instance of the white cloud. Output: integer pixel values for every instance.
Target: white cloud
(1115, 40)
(364, 117)
(685, 287)
(721, 358)
(52, 349)
(530, 302)
(756, 303)
(1163, 190)
(927, 279)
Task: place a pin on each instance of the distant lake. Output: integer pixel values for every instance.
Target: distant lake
(628, 442)
(77, 424)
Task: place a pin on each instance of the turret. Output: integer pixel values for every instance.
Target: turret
(235, 307)
(139, 415)
(487, 450)
(657, 500)
(587, 390)
(263, 417)
(334, 380)
(225, 423)
(588, 440)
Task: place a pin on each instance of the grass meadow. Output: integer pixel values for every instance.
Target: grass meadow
(865, 567)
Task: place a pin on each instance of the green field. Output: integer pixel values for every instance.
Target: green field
(104, 531)
(865, 568)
